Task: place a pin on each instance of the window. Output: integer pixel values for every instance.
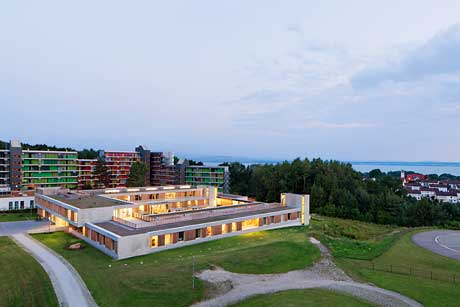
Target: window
(181, 236)
(22, 204)
(10, 205)
(272, 219)
(264, 222)
(32, 204)
(154, 241)
(16, 205)
(197, 233)
(289, 217)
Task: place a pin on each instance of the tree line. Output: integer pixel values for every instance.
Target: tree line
(336, 189)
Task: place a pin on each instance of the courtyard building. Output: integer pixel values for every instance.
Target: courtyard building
(127, 222)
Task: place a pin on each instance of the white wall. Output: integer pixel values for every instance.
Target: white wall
(4, 202)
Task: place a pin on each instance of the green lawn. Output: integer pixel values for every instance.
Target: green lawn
(165, 278)
(23, 282)
(24, 215)
(309, 297)
(403, 260)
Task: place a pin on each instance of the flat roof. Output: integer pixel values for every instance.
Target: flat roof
(86, 202)
(124, 231)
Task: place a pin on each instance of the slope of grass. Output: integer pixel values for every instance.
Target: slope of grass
(13, 216)
(310, 297)
(410, 269)
(354, 239)
(23, 282)
(165, 278)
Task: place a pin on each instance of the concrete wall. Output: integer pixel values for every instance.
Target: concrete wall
(4, 202)
(298, 201)
(94, 215)
(136, 245)
(139, 244)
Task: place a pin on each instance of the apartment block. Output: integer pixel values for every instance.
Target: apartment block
(119, 165)
(86, 177)
(218, 176)
(49, 169)
(127, 222)
(160, 166)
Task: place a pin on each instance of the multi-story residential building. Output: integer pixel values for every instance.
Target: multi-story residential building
(119, 165)
(163, 171)
(218, 176)
(127, 222)
(160, 166)
(86, 176)
(49, 169)
(4, 171)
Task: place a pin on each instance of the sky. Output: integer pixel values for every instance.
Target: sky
(347, 80)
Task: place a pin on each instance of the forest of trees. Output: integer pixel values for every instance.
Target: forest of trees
(338, 190)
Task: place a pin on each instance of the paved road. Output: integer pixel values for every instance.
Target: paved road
(69, 287)
(442, 242)
(10, 228)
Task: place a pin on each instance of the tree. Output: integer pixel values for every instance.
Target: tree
(101, 172)
(137, 175)
(87, 154)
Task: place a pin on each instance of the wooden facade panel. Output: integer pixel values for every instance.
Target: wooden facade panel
(161, 240)
(175, 237)
(228, 227)
(239, 226)
(277, 219)
(189, 235)
(216, 230)
(203, 232)
(293, 216)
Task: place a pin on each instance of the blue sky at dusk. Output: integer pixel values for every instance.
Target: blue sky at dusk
(348, 80)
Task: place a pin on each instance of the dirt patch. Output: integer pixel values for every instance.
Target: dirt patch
(214, 289)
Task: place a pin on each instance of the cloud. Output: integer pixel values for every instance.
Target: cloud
(437, 56)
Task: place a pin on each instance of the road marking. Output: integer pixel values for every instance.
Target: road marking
(436, 239)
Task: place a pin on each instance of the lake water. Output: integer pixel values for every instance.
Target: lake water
(439, 168)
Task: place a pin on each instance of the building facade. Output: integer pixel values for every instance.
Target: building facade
(128, 222)
(86, 176)
(218, 176)
(49, 169)
(119, 165)
(22, 202)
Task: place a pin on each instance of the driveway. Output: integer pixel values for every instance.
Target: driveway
(10, 228)
(442, 242)
(70, 289)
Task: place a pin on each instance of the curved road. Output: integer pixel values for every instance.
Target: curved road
(70, 289)
(442, 242)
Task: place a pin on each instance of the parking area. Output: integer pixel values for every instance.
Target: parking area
(10, 228)
(442, 242)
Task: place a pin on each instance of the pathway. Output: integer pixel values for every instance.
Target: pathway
(70, 289)
(324, 274)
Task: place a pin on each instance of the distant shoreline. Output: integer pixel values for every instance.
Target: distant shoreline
(438, 168)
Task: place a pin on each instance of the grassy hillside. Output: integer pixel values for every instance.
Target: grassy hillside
(165, 278)
(23, 282)
(399, 264)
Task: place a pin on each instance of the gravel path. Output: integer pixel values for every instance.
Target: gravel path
(69, 287)
(324, 274)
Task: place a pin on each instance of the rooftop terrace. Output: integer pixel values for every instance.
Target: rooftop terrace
(85, 202)
(123, 230)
